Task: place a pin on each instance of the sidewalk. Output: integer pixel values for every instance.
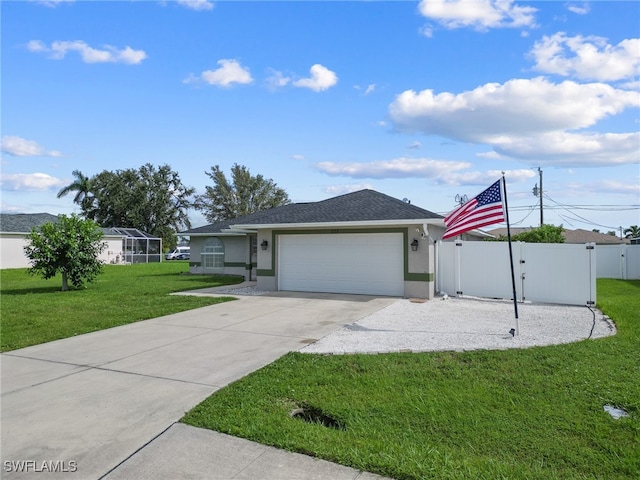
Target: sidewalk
(187, 452)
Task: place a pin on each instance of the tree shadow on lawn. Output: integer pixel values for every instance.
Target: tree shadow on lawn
(29, 290)
(218, 280)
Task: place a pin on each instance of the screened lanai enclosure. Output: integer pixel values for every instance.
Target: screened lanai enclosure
(138, 246)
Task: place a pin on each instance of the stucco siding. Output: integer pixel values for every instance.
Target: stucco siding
(12, 250)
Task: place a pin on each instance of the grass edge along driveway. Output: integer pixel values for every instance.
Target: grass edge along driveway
(533, 413)
(35, 311)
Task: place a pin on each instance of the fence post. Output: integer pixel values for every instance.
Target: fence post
(457, 281)
(591, 258)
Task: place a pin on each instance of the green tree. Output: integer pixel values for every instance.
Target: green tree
(83, 187)
(543, 234)
(151, 199)
(71, 247)
(243, 195)
(632, 232)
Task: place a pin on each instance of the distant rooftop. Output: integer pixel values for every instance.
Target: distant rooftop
(25, 222)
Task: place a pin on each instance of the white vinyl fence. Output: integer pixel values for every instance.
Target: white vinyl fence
(618, 261)
(544, 272)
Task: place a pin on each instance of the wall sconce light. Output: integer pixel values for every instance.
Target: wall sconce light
(264, 245)
(414, 245)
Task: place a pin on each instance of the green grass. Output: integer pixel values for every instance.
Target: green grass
(519, 414)
(35, 311)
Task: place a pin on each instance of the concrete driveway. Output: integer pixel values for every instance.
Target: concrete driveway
(84, 405)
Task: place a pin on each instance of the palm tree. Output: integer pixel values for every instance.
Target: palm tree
(83, 186)
(632, 232)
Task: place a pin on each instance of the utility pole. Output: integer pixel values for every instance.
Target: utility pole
(537, 192)
(541, 218)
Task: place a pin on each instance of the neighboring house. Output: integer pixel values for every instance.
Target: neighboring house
(123, 245)
(363, 243)
(571, 236)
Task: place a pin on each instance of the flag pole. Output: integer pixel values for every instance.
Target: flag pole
(513, 276)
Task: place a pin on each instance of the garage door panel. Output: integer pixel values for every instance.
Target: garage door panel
(342, 263)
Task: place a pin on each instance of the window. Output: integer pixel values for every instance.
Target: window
(213, 254)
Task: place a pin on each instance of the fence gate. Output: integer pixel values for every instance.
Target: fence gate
(544, 272)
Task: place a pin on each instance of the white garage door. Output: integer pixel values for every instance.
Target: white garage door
(369, 263)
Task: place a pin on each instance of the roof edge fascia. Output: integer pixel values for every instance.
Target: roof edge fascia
(222, 233)
(364, 223)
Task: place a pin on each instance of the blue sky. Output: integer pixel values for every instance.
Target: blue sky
(419, 100)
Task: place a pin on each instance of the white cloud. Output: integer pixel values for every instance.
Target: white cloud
(587, 57)
(478, 14)
(30, 181)
(450, 173)
(485, 178)
(573, 149)
(297, 157)
(36, 46)
(492, 155)
(321, 79)
(579, 9)
(230, 72)
(367, 90)
(615, 187)
(277, 79)
(525, 118)
(20, 147)
(199, 5)
(632, 85)
(396, 168)
(349, 188)
(52, 3)
(108, 54)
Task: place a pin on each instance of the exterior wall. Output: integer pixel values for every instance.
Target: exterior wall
(418, 265)
(113, 252)
(266, 258)
(195, 260)
(12, 250)
(237, 257)
(419, 277)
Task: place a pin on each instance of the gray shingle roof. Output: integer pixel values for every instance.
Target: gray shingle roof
(360, 206)
(24, 222)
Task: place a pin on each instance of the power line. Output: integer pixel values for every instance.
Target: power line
(575, 215)
(531, 209)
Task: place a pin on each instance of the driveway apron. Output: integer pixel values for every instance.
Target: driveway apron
(79, 407)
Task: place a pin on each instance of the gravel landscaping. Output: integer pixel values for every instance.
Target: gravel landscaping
(446, 323)
(457, 323)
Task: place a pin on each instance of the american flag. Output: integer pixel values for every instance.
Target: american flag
(485, 209)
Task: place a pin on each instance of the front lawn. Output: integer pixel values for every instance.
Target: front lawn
(534, 413)
(35, 311)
